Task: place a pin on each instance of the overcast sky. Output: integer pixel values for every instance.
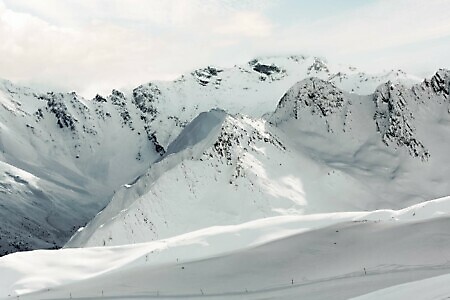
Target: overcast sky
(95, 45)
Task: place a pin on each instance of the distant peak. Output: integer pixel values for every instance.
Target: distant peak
(319, 65)
(207, 75)
(267, 70)
(440, 82)
(320, 96)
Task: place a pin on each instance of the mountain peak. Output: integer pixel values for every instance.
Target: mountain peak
(317, 95)
(440, 82)
(318, 65)
(394, 117)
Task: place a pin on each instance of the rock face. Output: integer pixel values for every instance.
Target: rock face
(440, 83)
(312, 94)
(394, 119)
(318, 65)
(396, 108)
(208, 75)
(267, 71)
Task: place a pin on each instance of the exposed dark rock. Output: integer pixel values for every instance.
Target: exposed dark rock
(394, 120)
(318, 66)
(99, 99)
(207, 76)
(440, 83)
(315, 94)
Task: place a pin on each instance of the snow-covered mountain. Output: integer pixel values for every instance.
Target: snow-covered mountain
(284, 178)
(322, 150)
(63, 156)
(61, 159)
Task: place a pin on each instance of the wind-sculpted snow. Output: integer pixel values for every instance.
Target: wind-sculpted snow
(199, 129)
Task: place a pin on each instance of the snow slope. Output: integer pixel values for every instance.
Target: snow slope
(307, 257)
(430, 288)
(322, 150)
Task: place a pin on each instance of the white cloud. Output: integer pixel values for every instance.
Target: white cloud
(246, 23)
(124, 44)
(97, 45)
(372, 35)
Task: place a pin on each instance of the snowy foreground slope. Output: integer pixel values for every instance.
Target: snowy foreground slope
(319, 256)
(431, 288)
(62, 156)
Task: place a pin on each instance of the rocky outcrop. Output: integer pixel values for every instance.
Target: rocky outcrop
(318, 65)
(440, 83)
(394, 119)
(313, 94)
(208, 75)
(267, 71)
